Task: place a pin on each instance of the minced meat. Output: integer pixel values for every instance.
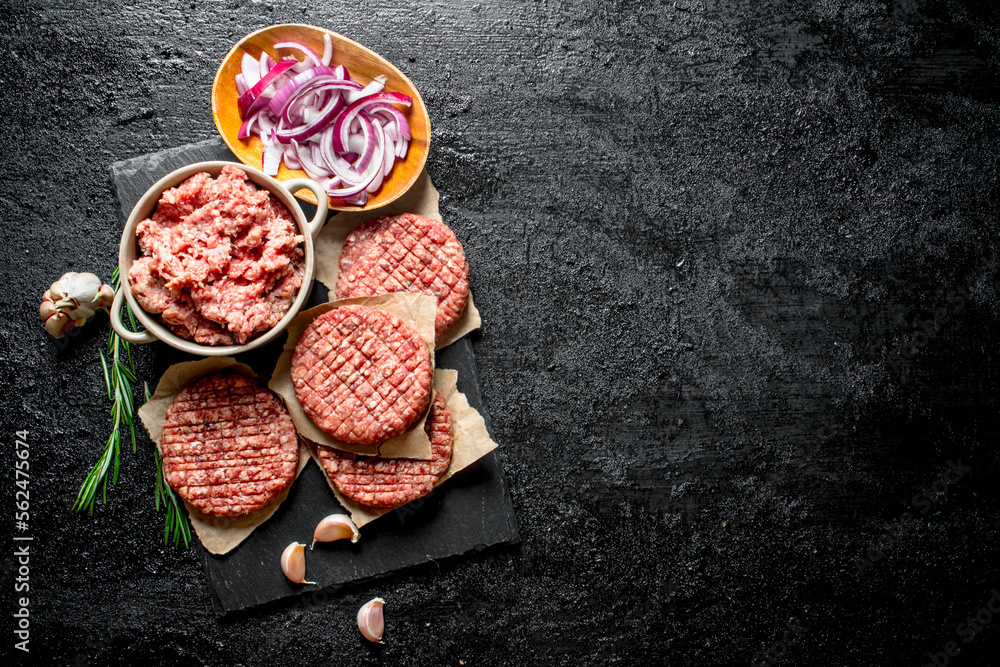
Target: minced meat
(221, 260)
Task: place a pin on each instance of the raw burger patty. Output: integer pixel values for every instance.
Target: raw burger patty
(378, 482)
(229, 446)
(406, 253)
(361, 375)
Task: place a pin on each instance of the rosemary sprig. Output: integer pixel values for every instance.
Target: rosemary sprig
(176, 527)
(118, 378)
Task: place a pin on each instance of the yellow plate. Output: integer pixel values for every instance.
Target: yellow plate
(362, 64)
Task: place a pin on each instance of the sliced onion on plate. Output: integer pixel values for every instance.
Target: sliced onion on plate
(317, 118)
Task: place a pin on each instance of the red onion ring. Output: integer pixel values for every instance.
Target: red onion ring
(317, 118)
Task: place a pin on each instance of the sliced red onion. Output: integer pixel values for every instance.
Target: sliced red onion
(336, 164)
(327, 49)
(343, 169)
(330, 183)
(401, 149)
(277, 103)
(292, 157)
(359, 199)
(315, 117)
(265, 123)
(265, 64)
(356, 145)
(308, 165)
(389, 156)
(324, 116)
(250, 69)
(380, 167)
(343, 122)
(251, 100)
(271, 159)
(390, 128)
(376, 86)
(246, 129)
(368, 132)
(329, 90)
(310, 54)
(388, 111)
(347, 191)
(316, 153)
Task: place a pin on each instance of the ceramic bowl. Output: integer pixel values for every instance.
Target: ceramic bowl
(129, 250)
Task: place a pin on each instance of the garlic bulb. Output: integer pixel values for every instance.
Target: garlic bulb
(335, 527)
(69, 301)
(371, 622)
(293, 563)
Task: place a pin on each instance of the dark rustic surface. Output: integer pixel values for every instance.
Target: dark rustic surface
(737, 265)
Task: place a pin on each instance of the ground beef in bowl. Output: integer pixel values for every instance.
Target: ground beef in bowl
(220, 259)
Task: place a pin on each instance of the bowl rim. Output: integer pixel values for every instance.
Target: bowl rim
(145, 207)
(333, 203)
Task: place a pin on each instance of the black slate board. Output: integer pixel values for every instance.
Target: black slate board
(472, 511)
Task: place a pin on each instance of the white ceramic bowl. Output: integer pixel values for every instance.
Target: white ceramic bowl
(129, 250)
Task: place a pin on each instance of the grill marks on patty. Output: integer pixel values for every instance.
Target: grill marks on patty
(386, 483)
(361, 375)
(229, 446)
(407, 253)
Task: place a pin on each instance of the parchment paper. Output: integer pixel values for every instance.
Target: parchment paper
(218, 535)
(417, 310)
(422, 199)
(470, 443)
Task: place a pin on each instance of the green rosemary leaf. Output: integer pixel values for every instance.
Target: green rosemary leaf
(175, 525)
(127, 373)
(119, 377)
(125, 396)
(117, 459)
(107, 378)
(131, 432)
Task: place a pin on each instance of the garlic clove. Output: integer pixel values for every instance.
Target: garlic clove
(105, 298)
(46, 309)
(56, 289)
(293, 563)
(80, 285)
(371, 622)
(335, 527)
(58, 324)
(79, 311)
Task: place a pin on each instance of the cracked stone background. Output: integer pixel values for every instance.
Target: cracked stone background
(737, 265)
